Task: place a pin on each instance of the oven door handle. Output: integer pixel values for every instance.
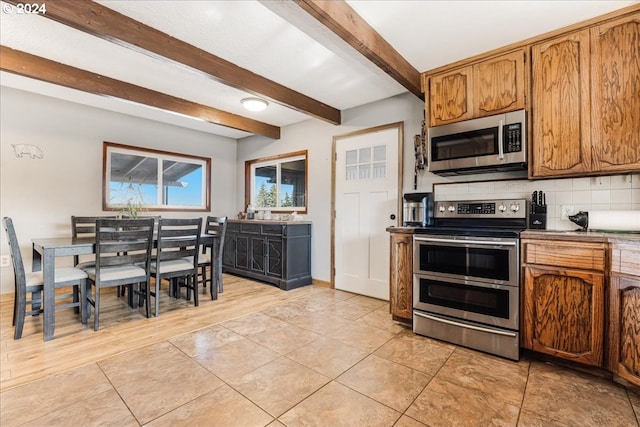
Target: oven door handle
(469, 242)
(463, 325)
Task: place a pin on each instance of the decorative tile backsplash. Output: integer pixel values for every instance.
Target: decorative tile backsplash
(601, 193)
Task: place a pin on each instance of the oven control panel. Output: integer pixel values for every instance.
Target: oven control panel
(504, 208)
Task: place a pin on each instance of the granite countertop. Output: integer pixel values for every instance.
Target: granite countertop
(591, 235)
(585, 236)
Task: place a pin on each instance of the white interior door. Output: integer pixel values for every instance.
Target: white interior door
(366, 203)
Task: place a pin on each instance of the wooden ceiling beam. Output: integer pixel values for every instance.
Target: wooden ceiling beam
(36, 67)
(341, 19)
(107, 24)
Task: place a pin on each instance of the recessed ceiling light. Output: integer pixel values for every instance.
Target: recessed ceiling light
(254, 104)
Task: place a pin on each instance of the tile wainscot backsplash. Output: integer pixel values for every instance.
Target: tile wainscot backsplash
(600, 193)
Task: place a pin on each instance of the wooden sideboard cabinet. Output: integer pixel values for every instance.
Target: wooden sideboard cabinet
(624, 311)
(272, 252)
(585, 99)
(490, 86)
(563, 298)
(401, 277)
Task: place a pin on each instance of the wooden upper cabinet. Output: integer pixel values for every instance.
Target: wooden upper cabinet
(561, 114)
(491, 86)
(450, 96)
(499, 84)
(615, 88)
(586, 99)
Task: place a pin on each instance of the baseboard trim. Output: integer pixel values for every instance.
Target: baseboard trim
(322, 283)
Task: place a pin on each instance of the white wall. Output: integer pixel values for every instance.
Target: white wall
(317, 137)
(42, 194)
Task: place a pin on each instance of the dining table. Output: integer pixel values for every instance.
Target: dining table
(46, 250)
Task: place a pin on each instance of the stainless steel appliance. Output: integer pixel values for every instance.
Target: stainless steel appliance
(417, 210)
(466, 287)
(488, 144)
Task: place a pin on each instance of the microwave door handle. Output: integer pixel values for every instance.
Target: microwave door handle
(500, 145)
(464, 325)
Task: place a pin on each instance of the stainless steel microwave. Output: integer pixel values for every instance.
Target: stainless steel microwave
(488, 144)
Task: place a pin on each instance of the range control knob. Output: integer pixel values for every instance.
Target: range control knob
(502, 208)
(442, 208)
(515, 208)
(452, 208)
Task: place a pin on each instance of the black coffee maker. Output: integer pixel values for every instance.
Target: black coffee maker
(417, 210)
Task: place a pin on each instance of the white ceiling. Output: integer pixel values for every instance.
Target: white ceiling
(279, 41)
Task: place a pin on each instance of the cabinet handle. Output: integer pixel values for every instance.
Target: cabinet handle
(464, 325)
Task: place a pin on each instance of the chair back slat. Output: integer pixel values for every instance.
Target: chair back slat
(85, 226)
(123, 242)
(178, 238)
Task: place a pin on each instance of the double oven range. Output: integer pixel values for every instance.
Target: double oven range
(466, 269)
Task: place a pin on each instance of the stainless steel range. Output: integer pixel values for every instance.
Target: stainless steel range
(466, 282)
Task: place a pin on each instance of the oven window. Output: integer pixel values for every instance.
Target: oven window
(469, 298)
(466, 144)
(457, 260)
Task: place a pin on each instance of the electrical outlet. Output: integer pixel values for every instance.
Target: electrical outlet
(4, 261)
(565, 211)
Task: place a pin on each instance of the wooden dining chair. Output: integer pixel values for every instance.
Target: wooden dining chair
(216, 225)
(29, 286)
(123, 257)
(178, 243)
(85, 226)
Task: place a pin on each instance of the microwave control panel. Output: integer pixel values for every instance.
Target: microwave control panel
(512, 138)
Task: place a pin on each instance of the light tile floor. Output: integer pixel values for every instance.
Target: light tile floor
(327, 359)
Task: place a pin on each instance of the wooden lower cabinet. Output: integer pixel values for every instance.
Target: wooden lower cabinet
(624, 313)
(401, 277)
(563, 299)
(564, 314)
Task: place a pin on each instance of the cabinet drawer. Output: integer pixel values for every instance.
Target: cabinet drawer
(250, 228)
(625, 261)
(233, 227)
(566, 254)
(272, 229)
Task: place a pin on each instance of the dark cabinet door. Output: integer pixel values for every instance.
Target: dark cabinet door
(229, 252)
(258, 254)
(242, 252)
(274, 257)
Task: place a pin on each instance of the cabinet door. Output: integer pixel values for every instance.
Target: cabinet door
(499, 85)
(450, 96)
(242, 252)
(274, 257)
(624, 351)
(401, 276)
(229, 250)
(561, 122)
(563, 313)
(615, 89)
(258, 254)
